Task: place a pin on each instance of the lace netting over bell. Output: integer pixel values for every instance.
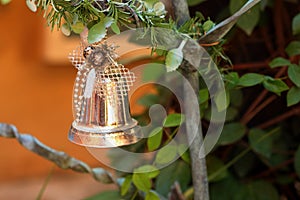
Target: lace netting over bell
(112, 81)
(119, 77)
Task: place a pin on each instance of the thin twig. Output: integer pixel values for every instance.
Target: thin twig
(254, 104)
(279, 30)
(176, 192)
(258, 109)
(267, 40)
(135, 16)
(290, 113)
(247, 66)
(46, 182)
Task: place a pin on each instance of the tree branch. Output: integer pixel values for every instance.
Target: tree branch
(61, 159)
(181, 11)
(199, 172)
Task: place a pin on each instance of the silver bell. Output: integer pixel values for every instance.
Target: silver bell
(100, 103)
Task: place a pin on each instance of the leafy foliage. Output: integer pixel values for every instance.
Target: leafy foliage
(293, 96)
(261, 147)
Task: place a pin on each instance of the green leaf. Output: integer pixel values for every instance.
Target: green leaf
(97, 32)
(166, 154)
(231, 113)
(279, 62)
(126, 185)
(232, 79)
(78, 27)
(294, 74)
(263, 190)
(251, 79)
(250, 19)
(173, 120)
(236, 97)
(231, 133)
(177, 171)
(225, 189)
(174, 59)
(152, 72)
(222, 28)
(222, 100)
(115, 28)
(297, 161)
(263, 147)
(293, 48)
(4, 2)
(275, 85)
(149, 170)
(184, 153)
(296, 25)
(161, 52)
(155, 138)
(245, 164)
(203, 96)
(108, 21)
(65, 29)
(257, 190)
(148, 100)
(159, 8)
(293, 96)
(208, 25)
(141, 181)
(194, 2)
(284, 179)
(111, 195)
(214, 164)
(152, 196)
(150, 3)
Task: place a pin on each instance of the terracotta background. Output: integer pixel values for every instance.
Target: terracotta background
(36, 91)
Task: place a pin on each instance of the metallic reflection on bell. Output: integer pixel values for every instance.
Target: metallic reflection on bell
(100, 107)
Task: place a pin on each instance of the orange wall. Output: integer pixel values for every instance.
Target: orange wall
(35, 93)
(36, 82)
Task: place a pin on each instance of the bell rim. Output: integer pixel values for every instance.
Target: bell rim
(105, 139)
(105, 129)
